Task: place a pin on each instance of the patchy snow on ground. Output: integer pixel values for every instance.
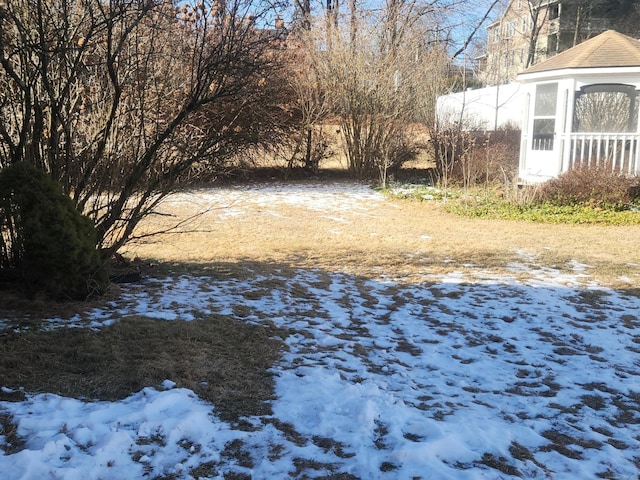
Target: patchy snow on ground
(321, 198)
(448, 378)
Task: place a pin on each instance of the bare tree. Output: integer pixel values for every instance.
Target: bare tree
(374, 90)
(309, 100)
(302, 14)
(477, 24)
(381, 66)
(538, 17)
(118, 101)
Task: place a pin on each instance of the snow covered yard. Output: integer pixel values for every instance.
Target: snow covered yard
(448, 376)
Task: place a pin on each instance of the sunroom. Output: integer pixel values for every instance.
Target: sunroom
(581, 110)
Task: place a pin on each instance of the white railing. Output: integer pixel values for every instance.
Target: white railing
(619, 151)
(542, 142)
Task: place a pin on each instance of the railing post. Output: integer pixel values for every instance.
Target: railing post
(614, 159)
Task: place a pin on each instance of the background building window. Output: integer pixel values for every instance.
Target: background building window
(552, 44)
(510, 29)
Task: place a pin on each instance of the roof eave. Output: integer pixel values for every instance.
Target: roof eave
(575, 72)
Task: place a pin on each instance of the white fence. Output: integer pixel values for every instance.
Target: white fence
(486, 108)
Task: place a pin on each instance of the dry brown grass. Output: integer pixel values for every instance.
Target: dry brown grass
(401, 238)
(222, 360)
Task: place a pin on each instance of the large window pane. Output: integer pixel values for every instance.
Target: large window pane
(546, 97)
(606, 109)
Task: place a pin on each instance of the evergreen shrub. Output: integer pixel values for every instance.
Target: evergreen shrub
(44, 237)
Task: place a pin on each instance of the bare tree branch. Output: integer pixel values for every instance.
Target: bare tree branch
(477, 27)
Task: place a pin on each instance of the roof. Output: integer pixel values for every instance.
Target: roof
(609, 49)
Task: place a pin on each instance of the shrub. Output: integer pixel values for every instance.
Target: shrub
(473, 157)
(598, 187)
(502, 155)
(50, 244)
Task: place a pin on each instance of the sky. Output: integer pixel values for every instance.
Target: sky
(458, 18)
(450, 377)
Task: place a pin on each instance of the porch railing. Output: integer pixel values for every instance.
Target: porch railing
(618, 151)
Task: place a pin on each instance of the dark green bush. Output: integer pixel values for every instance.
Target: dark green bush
(598, 187)
(50, 244)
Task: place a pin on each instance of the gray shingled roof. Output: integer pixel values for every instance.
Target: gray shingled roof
(609, 49)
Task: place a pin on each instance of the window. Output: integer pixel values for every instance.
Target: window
(544, 116)
(554, 11)
(552, 44)
(510, 29)
(546, 96)
(525, 23)
(606, 108)
(496, 35)
(505, 60)
(543, 136)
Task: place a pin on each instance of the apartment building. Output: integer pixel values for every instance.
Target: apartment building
(530, 31)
